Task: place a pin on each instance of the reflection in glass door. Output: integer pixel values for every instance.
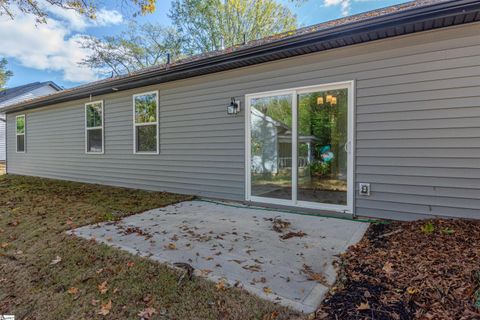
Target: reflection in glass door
(299, 147)
(271, 147)
(322, 146)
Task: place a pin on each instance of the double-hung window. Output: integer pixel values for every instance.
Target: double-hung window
(94, 138)
(20, 132)
(145, 123)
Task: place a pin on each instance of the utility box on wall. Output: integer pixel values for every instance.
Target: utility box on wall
(364, 189)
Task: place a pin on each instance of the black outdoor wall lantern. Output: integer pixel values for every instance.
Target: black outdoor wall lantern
(233, 107)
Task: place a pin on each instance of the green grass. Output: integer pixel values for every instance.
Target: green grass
(34, 215)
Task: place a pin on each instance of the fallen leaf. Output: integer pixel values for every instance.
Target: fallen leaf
(130, 264)
(4, 245)
(103, 287)
(56, 260)
(115, 290)
(271, 316)
(363, 306)
(94, 302)
(388, 268)
(220, 285)
(278, 224)
(171, 246)
(72, 290)
(267, 290)
(289, 235)
(205, 272)
(314, 276)
(238, 261)
(105, 309)
(253, 268)
(147, 313)
(411, 290)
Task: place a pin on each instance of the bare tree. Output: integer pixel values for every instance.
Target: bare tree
(139, 47)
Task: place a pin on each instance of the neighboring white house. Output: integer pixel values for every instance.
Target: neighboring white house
(2, 137)
(21, 93)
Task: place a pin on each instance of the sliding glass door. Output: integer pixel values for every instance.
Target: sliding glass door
(322, 146)
(271, 146)
(299, 145)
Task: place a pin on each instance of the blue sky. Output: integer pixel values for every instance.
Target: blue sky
(50, 52)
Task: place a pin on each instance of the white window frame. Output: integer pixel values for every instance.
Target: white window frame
(135, 125)
(348, 208)
(24, 134)
(95, 128)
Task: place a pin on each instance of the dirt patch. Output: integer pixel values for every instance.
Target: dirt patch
(410, 270)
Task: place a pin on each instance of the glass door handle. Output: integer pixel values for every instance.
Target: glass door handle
(347, 147)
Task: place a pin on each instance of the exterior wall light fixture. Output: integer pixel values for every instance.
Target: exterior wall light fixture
(234, 107)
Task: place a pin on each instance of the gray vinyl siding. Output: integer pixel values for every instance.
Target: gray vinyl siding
(417, 128)
(42, 91)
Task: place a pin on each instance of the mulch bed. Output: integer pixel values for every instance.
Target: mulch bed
(410, 270)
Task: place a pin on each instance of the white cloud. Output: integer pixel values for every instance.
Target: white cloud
(77, 22)
(72, 20)
(344, 5)
(54, 45)
(108, 17)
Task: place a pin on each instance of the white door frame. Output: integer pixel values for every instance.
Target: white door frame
(350, 85)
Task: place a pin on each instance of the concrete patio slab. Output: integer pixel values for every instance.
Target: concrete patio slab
(237, 244)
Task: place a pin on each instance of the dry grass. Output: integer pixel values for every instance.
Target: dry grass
(2, 168)
(34, 215)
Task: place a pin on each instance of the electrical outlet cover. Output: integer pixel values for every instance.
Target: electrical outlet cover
(364, 189)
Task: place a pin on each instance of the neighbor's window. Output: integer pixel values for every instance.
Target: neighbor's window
(94, 127)
(145, 109)
(20, 130)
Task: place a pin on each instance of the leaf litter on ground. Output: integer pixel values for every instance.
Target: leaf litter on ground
(33, 221)
(426, 271)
